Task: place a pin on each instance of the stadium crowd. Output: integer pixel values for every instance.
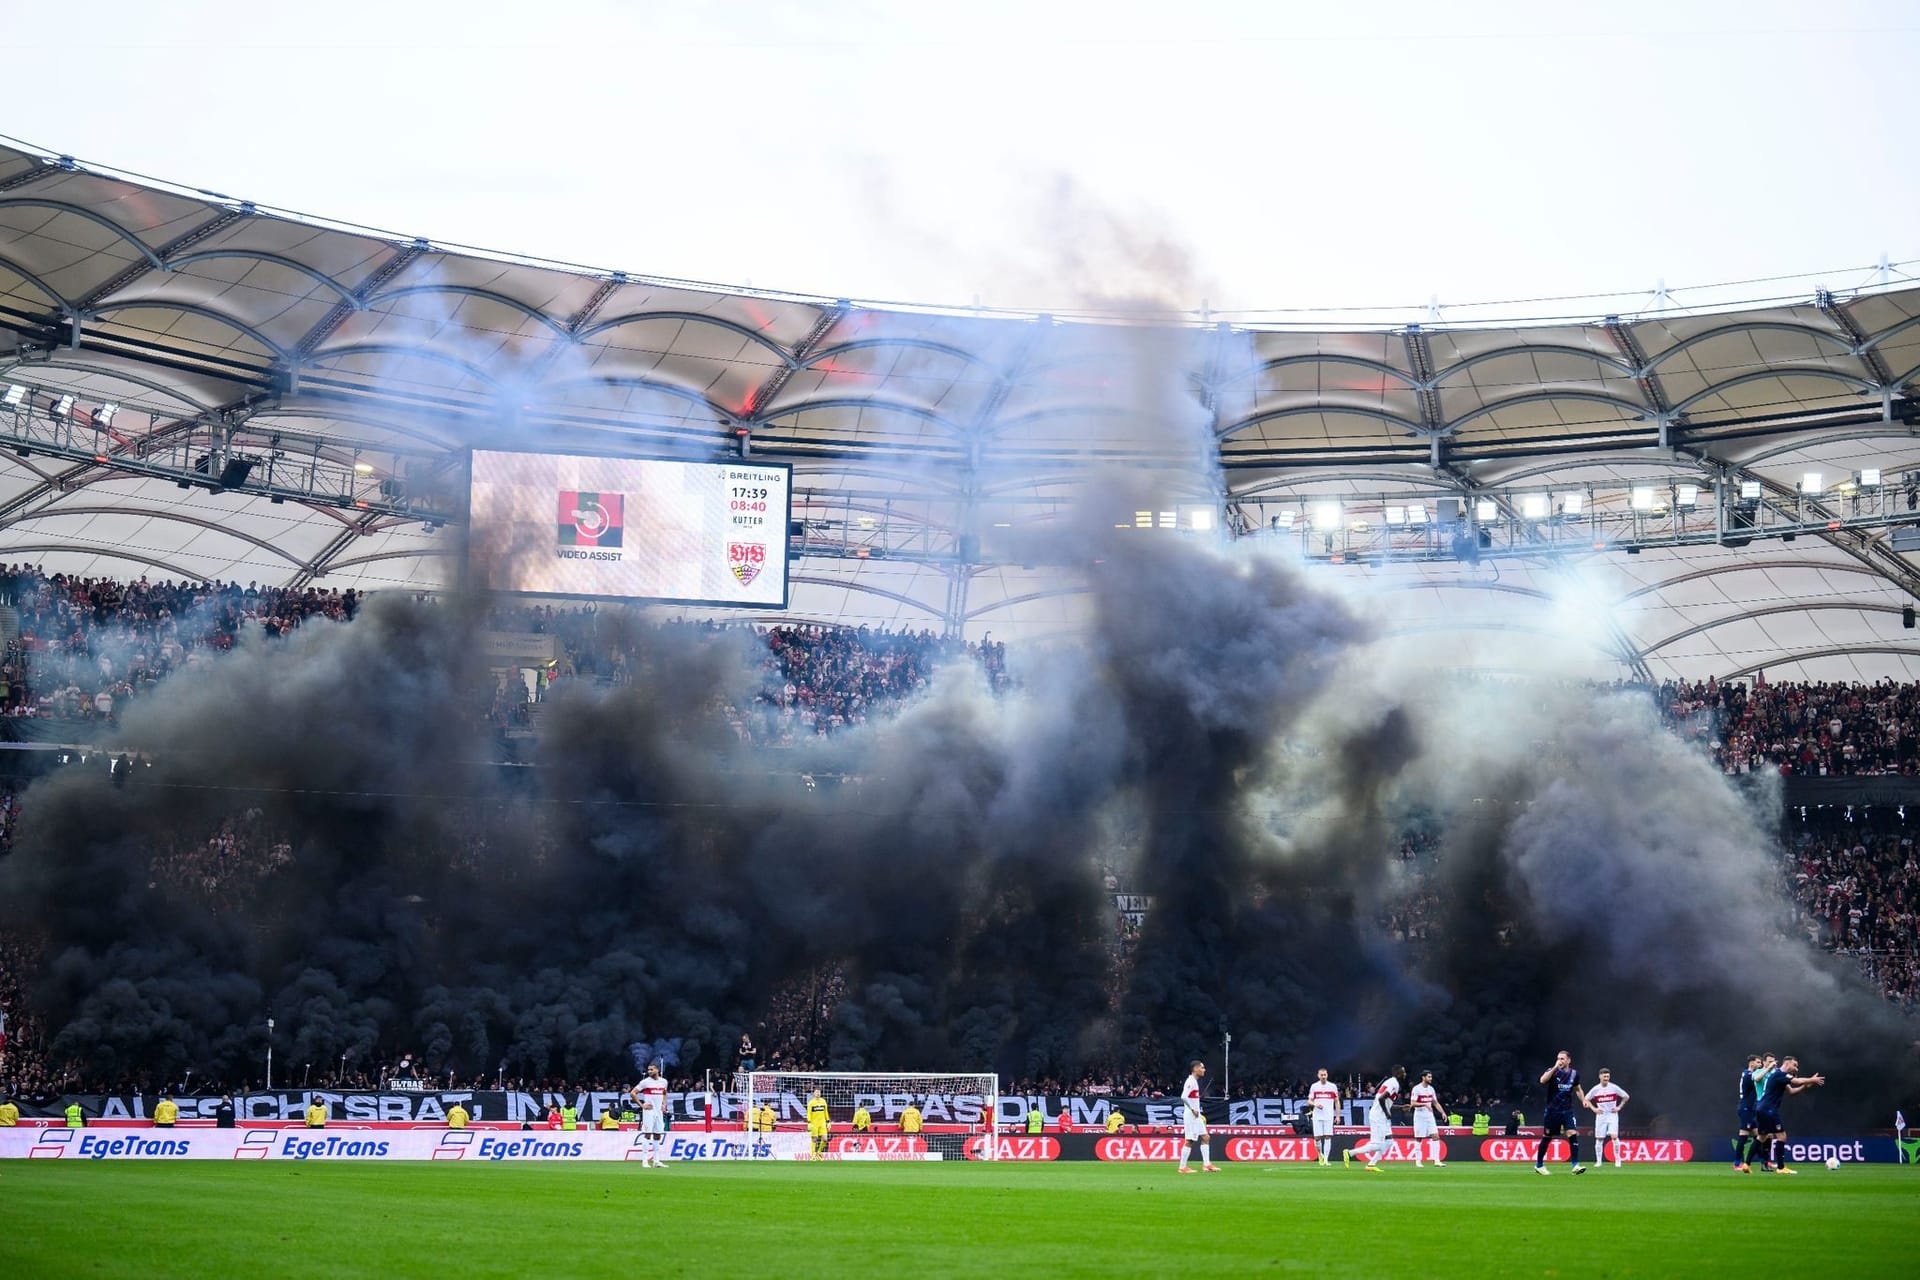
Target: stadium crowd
(1807, 730)
(79, 648)
(1858, 893)
(812, 679)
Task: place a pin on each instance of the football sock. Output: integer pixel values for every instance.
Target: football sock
(1540, 1155)
(1573, 1148)
(1206, 1152)
(1186, 1149)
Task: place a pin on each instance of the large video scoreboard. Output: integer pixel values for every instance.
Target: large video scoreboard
(712, 533)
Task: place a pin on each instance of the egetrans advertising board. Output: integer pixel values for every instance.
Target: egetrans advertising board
(469, 1145)
(707, 533)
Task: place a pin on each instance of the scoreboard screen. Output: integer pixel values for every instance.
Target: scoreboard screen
(712, 533)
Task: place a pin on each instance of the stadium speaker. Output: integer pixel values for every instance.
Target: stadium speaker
(1906, 617)
(1446, 511)
(969, 548)
(796, 529)
(234, 474)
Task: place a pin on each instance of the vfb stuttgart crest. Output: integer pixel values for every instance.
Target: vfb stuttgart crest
(746, 559)
(590, 519)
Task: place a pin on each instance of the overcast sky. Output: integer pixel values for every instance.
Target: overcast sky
(1258, 155)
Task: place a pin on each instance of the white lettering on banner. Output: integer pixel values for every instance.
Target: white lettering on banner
(508, 1146)
(1632, 1151)
(1264, 1112)
(1271, 1150)
(1154, 1148)
(517, 644)
(1820, 1150)
(1017, 1147)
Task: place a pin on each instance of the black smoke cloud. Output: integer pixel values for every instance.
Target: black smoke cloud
(652, 879)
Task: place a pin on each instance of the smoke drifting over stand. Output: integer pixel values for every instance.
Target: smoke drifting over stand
(652, 880)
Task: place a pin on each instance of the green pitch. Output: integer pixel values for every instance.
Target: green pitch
(276, 1219)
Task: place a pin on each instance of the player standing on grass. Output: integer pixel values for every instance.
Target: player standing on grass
(1379, 1124)
(817, 1118)
(1426, 1121)
(1324, 1099)
(1605, 1100)
(1743, 1140)
(651, 1094)
(1193, 1121)
(1774, 1087)
(1563, 1094)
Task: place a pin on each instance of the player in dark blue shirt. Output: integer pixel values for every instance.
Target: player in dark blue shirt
(1563, 1095)
(1773, 1087)
(1743, 1139)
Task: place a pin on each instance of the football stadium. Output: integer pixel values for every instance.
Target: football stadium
(507, 766)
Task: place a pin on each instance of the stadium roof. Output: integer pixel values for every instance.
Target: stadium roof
(918, 433)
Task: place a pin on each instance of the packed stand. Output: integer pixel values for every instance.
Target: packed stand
(1801, 730)
(85, 646)
(812, 679)
(1858, 893)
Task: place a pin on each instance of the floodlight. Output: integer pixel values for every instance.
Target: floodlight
(63, 407)
(103, 416)
(1535, 506)
(1686, 495)
(1199, 518)
(1326, 516)
(1416, 513)
(363, 468)
(15, 394)
(1485, 511)
(1642, 497)
(1143, 519)
(1571, 504)
(1869, 477)
(1810, 484)
(1167, 520)
(1394, 516)
(1286, 519)
(1749, 490)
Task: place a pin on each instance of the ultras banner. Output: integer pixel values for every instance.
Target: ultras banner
(1081, 1112)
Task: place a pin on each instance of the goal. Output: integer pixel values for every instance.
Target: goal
(956, 1112)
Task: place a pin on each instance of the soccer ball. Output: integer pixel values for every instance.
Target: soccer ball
(1833, 1162)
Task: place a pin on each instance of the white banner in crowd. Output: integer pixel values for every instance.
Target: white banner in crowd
(473, 1145)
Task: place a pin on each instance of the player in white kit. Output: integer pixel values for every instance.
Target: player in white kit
(1379, 1124)
(1324, 1100)
(1426, 1121)
(651, 1094)
(1605, 1100)
(1193, 1121)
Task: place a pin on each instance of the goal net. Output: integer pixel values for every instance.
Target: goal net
(878, 1115)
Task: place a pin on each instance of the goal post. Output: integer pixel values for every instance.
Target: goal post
(910, 1115)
